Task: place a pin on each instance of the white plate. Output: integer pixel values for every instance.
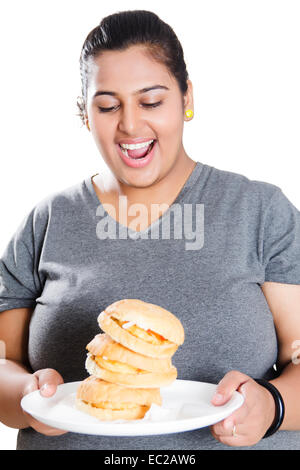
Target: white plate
(185, 406)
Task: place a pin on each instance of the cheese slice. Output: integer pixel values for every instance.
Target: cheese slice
(112, 406)
(147, 335)
(116, 366)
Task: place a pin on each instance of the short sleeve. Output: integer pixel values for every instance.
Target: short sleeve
(281, 241)
(19, 286)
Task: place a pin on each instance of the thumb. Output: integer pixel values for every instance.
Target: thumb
(231, 381)
(242, 389)
(48, 380)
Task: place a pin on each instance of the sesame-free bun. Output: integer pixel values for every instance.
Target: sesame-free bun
(106, 414)
(150, 316)
(111, 326)
(103, 345)
(136, 379)
(145, 328)
(108, 401)
(94, 390)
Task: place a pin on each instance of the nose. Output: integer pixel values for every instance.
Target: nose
(129, 119)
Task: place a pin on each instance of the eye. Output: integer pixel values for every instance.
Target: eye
(152, 105)
(106, 110)
(147, 105)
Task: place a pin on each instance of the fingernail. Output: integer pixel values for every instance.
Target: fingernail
(218, 398)
(45, 388)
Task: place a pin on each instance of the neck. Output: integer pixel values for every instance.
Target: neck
(162, 191)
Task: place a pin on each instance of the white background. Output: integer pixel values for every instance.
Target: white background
(242, 57)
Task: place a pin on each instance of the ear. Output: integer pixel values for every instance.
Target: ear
(188, 99)
(87, 122)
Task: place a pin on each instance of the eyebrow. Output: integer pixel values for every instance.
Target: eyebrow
(137, 92)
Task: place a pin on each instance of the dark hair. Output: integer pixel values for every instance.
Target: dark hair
(127, 28)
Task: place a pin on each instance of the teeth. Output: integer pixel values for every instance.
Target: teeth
(125, 152)
(136, 146)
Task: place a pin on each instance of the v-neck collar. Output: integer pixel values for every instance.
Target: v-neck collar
(139, 234)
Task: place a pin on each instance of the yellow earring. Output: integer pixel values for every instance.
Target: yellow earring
(87, 124)
(189, 113)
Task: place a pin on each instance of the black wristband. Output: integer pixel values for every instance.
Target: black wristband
(279, 406)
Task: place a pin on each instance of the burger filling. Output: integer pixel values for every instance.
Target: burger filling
(147, 335)
(116, 366)
(113, 406)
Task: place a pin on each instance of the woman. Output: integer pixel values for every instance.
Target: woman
(235, 287)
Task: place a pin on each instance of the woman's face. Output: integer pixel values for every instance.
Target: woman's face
(123, 113)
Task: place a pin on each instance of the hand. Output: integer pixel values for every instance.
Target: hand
(252, 419)
(45, 380)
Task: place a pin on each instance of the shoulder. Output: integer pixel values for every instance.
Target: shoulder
(234, 186)
(64, 197)
(58, 203)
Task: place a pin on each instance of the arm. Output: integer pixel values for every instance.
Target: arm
(255, 416)
(284, 303)
(15, 371)
(16, 378)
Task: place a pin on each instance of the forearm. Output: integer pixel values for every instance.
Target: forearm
(288, 384)
(13, 379)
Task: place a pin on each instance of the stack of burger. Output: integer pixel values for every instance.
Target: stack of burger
(130, 360)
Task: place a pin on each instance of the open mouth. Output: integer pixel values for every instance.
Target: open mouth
(138, 154)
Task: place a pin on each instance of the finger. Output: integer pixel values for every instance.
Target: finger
(235, 421)
(236, 440)
(224, 427)
(48, 380)
(242, 435)
(238, 417)
(30, 386)
(225, 388)
(43, 428)
(33, 385)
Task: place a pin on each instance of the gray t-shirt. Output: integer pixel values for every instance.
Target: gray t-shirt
(60, 262)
